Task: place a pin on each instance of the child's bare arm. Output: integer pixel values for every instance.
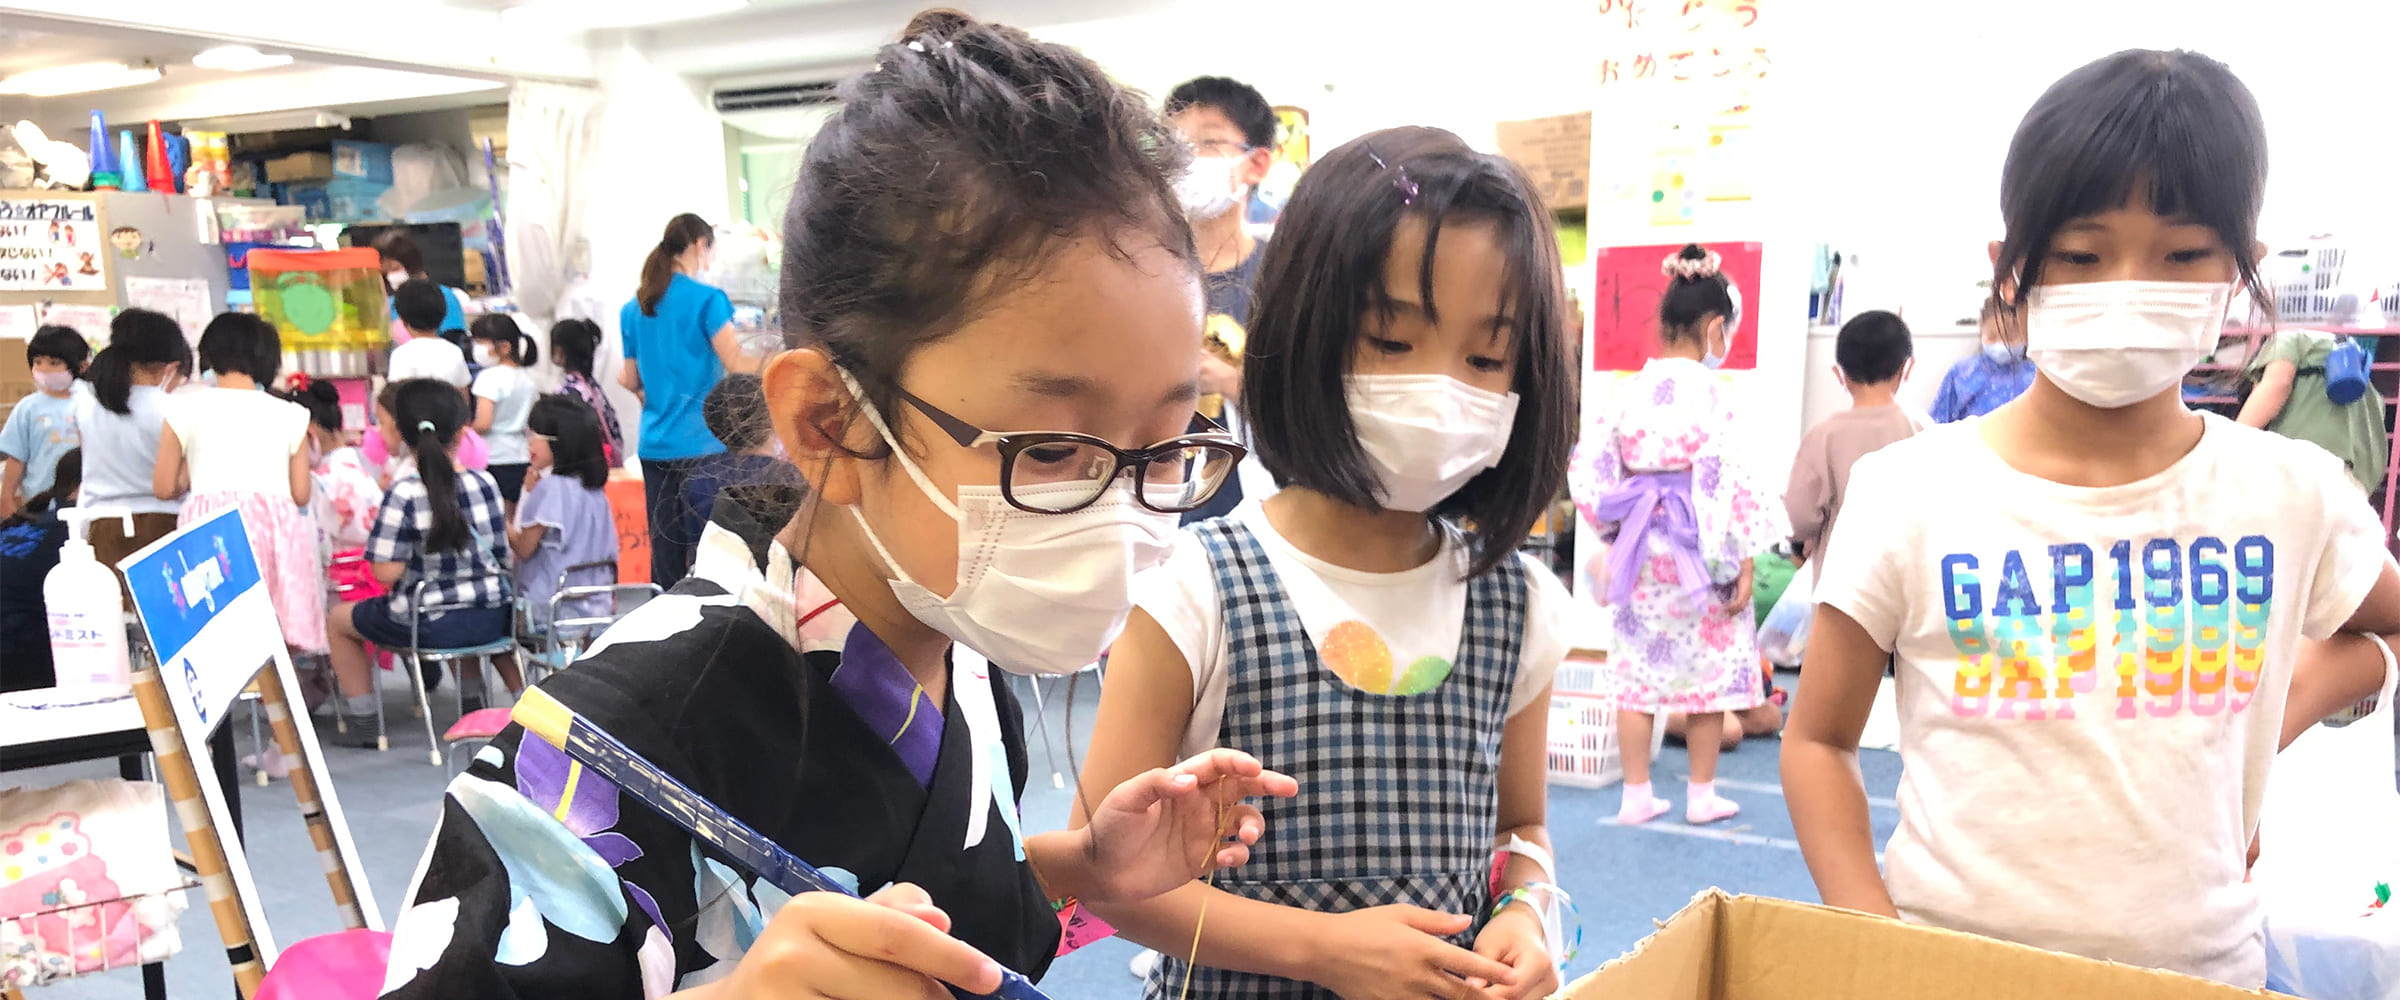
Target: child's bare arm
(1144, 710)
(2332, 675)
(1821, 780)
(2380, 612)
(12, 480)
(1515, 934)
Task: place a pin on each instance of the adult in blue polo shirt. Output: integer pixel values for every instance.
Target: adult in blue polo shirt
(679, 340)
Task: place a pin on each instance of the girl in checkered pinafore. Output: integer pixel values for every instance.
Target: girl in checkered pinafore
(1371, 629)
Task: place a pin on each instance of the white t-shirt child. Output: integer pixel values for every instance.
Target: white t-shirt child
(511, 391)
(237, 440)
(1387, 633)
(2092, 681)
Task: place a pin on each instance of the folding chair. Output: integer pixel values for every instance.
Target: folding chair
(542, 651)
(415, 657)
(545, 650)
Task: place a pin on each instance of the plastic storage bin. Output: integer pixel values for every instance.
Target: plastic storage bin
(328, 307)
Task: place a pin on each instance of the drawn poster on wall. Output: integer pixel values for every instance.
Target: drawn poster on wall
(1678, 81)
(51, 245)
(1627, 285)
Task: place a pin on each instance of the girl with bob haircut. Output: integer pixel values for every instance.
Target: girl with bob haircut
(2104, 627)
(1372, 628)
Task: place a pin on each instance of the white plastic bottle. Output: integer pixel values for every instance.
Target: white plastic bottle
(87, 609)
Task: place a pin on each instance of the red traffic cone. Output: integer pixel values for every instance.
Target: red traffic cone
(156, 170)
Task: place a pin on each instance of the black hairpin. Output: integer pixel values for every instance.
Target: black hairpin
(1400, 179)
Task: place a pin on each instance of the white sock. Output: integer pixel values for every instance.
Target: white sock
(359, 704)
(1640, 804)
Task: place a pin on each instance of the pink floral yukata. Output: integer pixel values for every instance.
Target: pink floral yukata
(1683, 516)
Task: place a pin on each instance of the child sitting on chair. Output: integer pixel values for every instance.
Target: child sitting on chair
(564, 519)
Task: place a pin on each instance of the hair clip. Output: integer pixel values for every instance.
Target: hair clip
(915, 45)
(1400, 179)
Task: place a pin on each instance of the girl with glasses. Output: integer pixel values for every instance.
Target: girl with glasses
(994, 317)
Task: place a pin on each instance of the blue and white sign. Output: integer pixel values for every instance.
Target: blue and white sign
(212, 625)
(203, 576)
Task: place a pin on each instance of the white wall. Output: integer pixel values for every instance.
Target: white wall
(1357, 71)
(1912, 107)
(661, 152)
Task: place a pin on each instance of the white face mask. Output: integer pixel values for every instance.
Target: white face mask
(483, 354)
(392, 280)
(1037, 593)
(58, 381)
(1428, 434)
(2116, 343)
(1207, 189)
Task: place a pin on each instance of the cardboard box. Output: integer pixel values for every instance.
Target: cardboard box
(300, 167)
(1746, 948)
(1557, 154)
(363, 161)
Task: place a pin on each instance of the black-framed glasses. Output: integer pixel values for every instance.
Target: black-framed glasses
(1059, 472)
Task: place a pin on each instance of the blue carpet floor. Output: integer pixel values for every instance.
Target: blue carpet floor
(1624, 879)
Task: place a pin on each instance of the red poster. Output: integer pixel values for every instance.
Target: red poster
(1625, 298)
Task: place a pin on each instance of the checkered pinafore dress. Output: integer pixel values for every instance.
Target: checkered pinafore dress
(1399, 796)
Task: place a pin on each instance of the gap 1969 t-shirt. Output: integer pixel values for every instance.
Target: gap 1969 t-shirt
(2092, 680)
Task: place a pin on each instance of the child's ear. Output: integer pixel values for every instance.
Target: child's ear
(814, 416)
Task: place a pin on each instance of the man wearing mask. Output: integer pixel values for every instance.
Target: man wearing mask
(1983, 382)
(1231, 130)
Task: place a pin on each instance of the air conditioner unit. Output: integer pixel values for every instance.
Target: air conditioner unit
(774, 97)
(791, 104)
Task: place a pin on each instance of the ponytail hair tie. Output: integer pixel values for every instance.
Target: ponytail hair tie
(424, 426)
(1687, 269)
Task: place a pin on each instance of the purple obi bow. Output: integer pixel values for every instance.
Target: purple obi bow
(1653, 504)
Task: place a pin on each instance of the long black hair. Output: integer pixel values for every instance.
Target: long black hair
(499, 328)
(971, 149)
(1323, 277)
(135, 337)
(658, 270)
(430, 413)
(575, 345)
(2177, 129)
(573, 431)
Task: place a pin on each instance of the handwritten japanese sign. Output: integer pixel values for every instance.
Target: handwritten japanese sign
(51, 244)
(1681, 41)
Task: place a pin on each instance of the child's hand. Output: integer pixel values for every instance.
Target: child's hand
(1595, 574)
(1739, 605)
(1515, 937)
(1397, 953)
(1160, 829)
(822, 944)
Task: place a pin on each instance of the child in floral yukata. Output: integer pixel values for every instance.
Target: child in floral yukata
(1683, 519)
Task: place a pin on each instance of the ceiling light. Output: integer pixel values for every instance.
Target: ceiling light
(78, 78)
(589, 15)
(238, 59)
